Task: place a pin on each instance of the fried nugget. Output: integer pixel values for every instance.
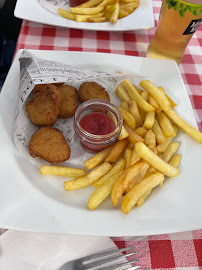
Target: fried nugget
(69, 102)
(92, 90)
(49, 144)
(43, 108)
(41, 87)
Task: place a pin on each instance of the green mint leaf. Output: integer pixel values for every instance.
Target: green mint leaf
(182, 8)
(195, 12)
(175, 7)
(173, 3)
(181, 5)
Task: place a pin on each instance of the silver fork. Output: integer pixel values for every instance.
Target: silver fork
(98, 261)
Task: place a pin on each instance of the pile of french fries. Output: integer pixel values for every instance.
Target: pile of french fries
(143, 155)
(100, 10)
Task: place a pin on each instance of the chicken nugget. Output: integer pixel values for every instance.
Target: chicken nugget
(43, 108)
(69, 102)
(40, 87)
(92, 90)
(49, 144)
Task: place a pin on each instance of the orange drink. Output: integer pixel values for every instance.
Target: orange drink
(177, 23)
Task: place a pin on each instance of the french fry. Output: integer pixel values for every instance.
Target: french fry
(141, 131)
(143, 198)
(145, 153)
(131, 5)
(134, 95)
(150, 139)
(98, 158)
(110, 8)
(84, 18)
(194, 133)
(128, 9)
(172, 103)
(128, 118)
(124, 181)
(160, 137)
(96, 20)
(127, 156)
(133, 137)
(162, 147)
(86, 11)
(175, 160)
(135, 112)
(145, 95)
(107, 15)
(113, 1)
(115, 14)
(148, 183)
(139, 90)
(104, 3)
(66, 14)
(156, 93)
(62, 171)
(162, 90)
(149, 120)
(154, 103)
(116, 151)
(122, 93)
(140, 176)
(102, 192)
(170, 151)
(124, 133)
(117, 167)
(165, 125)
(97, 11)
(150, 171)
(90, 3)
(88, 179)
(130, 145)
(128, 1)
(122, 14)
(135, 157)
(124, 105)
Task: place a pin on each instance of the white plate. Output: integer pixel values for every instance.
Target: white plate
(141, 18)
(33, 202)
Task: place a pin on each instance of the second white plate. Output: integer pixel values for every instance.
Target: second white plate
(141, 18)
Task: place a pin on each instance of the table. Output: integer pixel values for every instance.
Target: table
(171, 251)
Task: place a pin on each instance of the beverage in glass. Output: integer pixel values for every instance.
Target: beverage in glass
(178, 22)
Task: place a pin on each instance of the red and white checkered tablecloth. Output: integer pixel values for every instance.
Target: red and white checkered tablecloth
(178, 251)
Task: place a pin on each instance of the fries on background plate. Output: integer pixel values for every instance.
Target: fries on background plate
(100, 11)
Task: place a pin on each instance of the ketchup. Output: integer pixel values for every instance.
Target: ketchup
(97, 123)
(74, 3)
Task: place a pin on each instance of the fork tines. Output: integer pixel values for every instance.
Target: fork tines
(106, 257)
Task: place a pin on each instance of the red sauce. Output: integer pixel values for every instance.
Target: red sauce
(97, 123)
(74, 3)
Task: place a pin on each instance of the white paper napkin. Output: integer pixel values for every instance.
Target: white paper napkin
(39, 251)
